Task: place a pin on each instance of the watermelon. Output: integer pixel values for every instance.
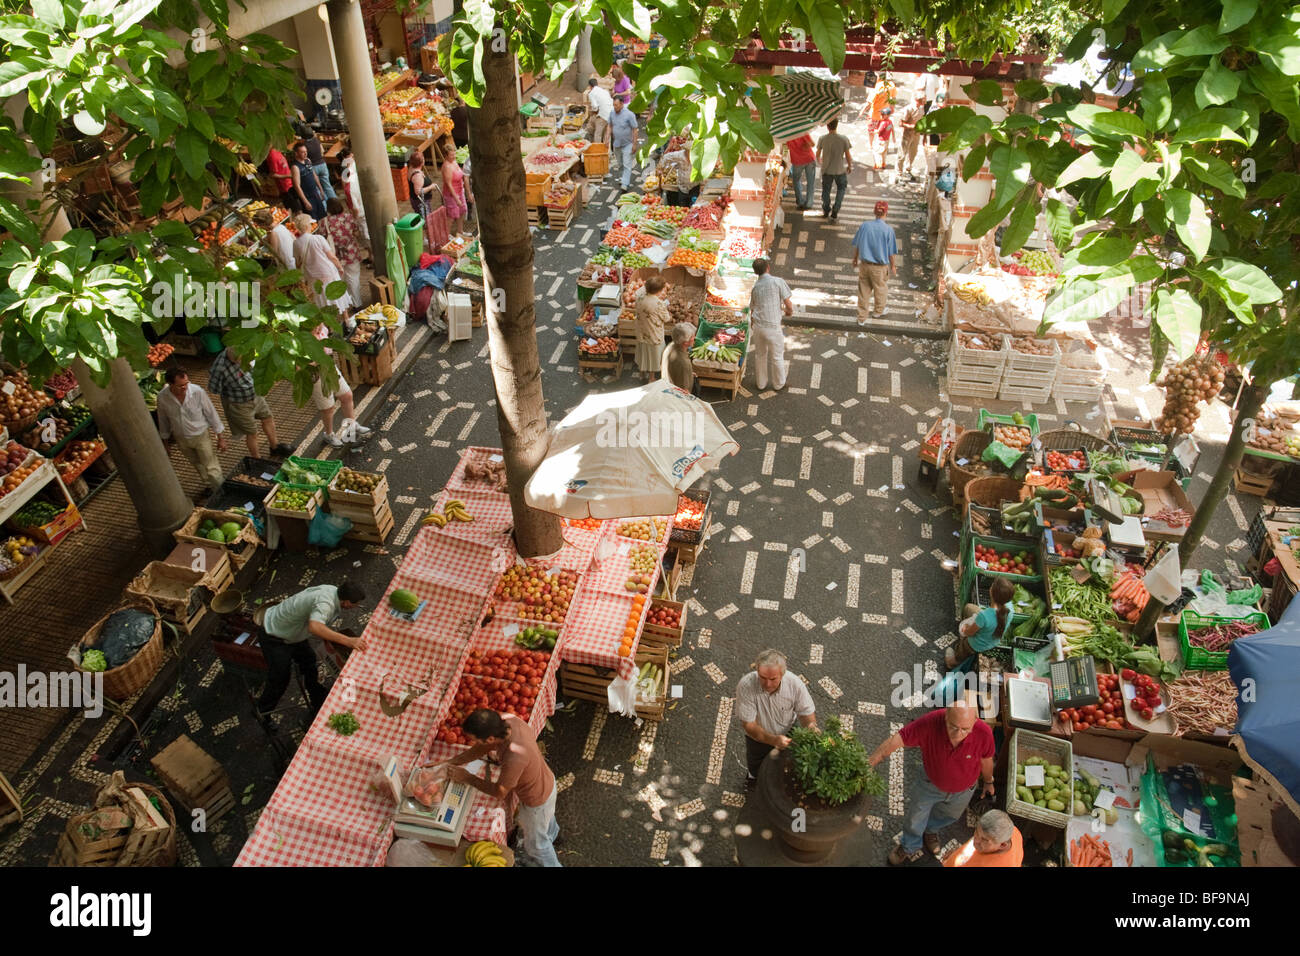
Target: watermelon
(230, 530)
(216, 535)
(404, 601)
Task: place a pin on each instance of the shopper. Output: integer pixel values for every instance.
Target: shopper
(768, 301)
(652, 317)
(911, 138)
(453, 190)
(316, 155)
(524, 773)
(602, 106)
(803, 167)
(244, 408)
(320, 267)
(325, 404)
(352, 192)
(343, 230)
(957, 752)
(875, 256)
(884, 138)
(836, 160)
(882, 95)
(420, 186)
(769, 700)
(278, 238)
(677, 367)
(622, 86)
(285, 629)
(459, 115)
(997, 842)
(675, 174)
(185, 416)
(309, 191)
(623, 130)
(983, 627)
(282, 176)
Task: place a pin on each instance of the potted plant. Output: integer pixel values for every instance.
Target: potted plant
(816, 792)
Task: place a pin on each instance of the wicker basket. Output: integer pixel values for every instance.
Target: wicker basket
(1068, 439)
(969, 446)
(990, 492)
(143, 844)
(120, 683)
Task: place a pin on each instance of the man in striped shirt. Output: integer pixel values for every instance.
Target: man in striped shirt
(244, 408)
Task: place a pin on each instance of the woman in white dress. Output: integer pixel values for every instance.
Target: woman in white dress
(319, 265)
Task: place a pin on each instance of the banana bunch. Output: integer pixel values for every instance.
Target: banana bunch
(484, 853)
(453, 510)
(246, 169)
(972, 292)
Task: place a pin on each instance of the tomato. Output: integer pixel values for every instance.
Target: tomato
(1114, 725)
(1090, 709)
(1080, 728)
(1108, 708)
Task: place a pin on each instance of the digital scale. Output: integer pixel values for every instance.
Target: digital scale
(609, 295)
(1074, 682)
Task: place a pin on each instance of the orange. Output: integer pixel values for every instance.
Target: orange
(625, 651)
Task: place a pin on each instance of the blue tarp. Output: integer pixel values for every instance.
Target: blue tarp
(1266, 669)
(435, 275)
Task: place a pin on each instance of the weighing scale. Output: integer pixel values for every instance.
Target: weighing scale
(607, 295)
(1105, 502)
(1127, 533)
(1030, 702)
(1074, 682)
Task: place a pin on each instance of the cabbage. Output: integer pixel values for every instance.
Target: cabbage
(94, 661)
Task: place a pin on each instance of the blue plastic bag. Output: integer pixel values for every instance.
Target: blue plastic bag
(327, 530)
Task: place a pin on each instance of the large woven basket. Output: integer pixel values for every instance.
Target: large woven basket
(122, 847)
(120, 683)
(1068, 439)
(990, 491)
(969, 446)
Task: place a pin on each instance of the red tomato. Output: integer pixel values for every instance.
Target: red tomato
(1080, 728)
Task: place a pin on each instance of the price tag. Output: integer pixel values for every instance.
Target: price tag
(1105, 799)
(554, 570)
(267, 477)
(1034, 776)
(591, 341)
(1130, 692)
(248, 506)
(982, 565)
(1192, 820)
(495, 458)
(243, 637)
(732, 330)
(1218, 731)
(1056, 607)
(713, 346)
(8, 388)
(625, 547)
(962, 461)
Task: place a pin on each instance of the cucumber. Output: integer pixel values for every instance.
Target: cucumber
(1050, 494)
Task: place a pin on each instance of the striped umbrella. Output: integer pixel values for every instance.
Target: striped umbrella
(803, 103)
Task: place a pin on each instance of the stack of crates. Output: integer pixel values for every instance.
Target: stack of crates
(1027, 377)
(976, 372)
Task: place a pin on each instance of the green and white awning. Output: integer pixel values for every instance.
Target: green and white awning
(803, 103)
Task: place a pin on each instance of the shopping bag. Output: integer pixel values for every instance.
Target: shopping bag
(622, 695)
(327, 530)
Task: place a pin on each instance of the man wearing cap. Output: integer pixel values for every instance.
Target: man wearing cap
(911, 138)
(875, 255)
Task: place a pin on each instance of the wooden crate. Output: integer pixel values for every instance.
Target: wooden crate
(94, 839)
(241, 550)
(376, 532)
(195, 779)
(1252, 484)
(313, 503)
(728, 381)
(476, 318)
(358, 502)
(590, 368)
(561, 218)
(536, 215)
(149, 835)
(586, 682)
(689, 553)
(11, 808)
(655, 635)
(535, 186)
(179, 591)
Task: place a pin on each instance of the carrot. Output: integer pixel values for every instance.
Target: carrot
(1130, 856)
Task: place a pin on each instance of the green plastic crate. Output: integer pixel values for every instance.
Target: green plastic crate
(1199, 659)
(991, 418)
(326, 469)
(1004, 544)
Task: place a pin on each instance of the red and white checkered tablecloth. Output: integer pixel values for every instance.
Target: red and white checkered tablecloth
(324, 813)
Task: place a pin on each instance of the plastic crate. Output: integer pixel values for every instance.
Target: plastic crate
(1026, 744)
(688, 535)
(1198, 659)
(1018, 361)
(987, 418)
(1033, 394)
(1003, 544)
(964, 357)
(326, 469)
(971, 389)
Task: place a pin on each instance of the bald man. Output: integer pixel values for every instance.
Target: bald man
(957, 752)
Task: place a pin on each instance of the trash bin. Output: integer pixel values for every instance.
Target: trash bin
(211, 340)
(410, 229)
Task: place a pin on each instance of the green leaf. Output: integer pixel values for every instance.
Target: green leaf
(1157, 104)
(680, 77)
(192, 151)
(50, 12)
(128, 14)
(1022, 221)
(1203, 131)
(602, 51)
(1237, 13)
(215, 84)
(1179, 318)
(1088, 166)
(1033, 90)
(641, 21)
(1105, 251)
(201, 122)
(947, 120)
(1126, 171)
(974, 160)
(1080, 300)
(1249, 280)
(1190, 220)
(1157, 53)
(1116, 121)
(18, 75)
(987, 218)
(1130, 272)
(827, 25)
(984, 92)
(1059, 223)
(481, 16)
(1215, 172)
(1204, 40)
(1217, 85)
(971, 131)
(1010, 168)
(1284, 52)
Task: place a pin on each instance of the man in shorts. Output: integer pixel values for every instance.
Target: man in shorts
(244, 408)
(352, 430)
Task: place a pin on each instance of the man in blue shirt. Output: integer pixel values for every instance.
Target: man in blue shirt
(875, 254)
(623, 128)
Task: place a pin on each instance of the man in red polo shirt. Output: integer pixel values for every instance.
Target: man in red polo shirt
(803, 167)
(957, 751)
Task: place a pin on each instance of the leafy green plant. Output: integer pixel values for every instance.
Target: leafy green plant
(832, 764)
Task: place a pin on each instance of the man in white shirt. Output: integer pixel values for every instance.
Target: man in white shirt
(185, 415)
(769, 700)
(278, 238)
(600, 101)
(768, 301)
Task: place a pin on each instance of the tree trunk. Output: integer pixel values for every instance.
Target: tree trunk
(507, 249)
(142, 461)
(1252, 397)
(584, 65)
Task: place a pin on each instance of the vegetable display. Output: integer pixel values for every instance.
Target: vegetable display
(1203, 701)
(1072, 599)
(1218, 637)
(1054, 792)
(1107, 712)
(94, 661)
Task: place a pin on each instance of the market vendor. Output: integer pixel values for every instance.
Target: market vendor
(185, 416)
(996, 842)
(285, 629)
(283, 177)
(506, 740)
(316, 154)
(652, 318)
(677, 367)
(675, 174)
(957, 753)
(983, 627)
(305, 183)
(769, 700)
(602, 106)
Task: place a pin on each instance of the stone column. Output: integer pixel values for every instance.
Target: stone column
(365, 130)
(583, 60)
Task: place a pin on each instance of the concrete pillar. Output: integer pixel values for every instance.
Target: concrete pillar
(318, 62)
(365, 130)
(585, 66)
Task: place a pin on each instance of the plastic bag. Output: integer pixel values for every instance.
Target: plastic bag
(327, 530)
(411, 853)
(1003, 454)
(622, 695)
(124, 633)
(1246, 597)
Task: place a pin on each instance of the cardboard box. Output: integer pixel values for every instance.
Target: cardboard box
(1160, 490)
(1256, 804)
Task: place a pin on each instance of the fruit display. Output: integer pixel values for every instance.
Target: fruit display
(543, 596)
(664, 616)
(15, 552)
(673, 214)
(488, 472)
(601, 346)
(62, 383)
(19, 401)
(1274, 435)
(560, 194)
(537, 638)
(1055, 791)
(35, 514)
(357, 482)
(632, 626)
(1076, 460)
(1128, 595)
(599, 330)
(644, 529)
(1190, 382)
(1107, 712)
(707, 217)
(293, 499)
(94, 661)
(484, 853)
(980, 343)
(742, 247)
(505, 681)
(690, 514)
(149, 388)
(77, 456)
(628, 237)
(452, 510)
(650, 683)
(224, 533)
(159, 353)
(659, 228)
(1004, 562)
(715, 352)
(973, 292)
(257, 481)
(1032, 346)
(13, 469)
(404, 601)
(727, 299)
(386, 315)
(704, 261)
(1146, 700)
(383, 79)
(1013, 436)
(362, 334)
(589, 524)
(684, 303)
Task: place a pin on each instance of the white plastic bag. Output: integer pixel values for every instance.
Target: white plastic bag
(622, 696)
(1162, 581)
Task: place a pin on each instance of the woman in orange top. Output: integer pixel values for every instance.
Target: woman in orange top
(996, 842)
(880, 98)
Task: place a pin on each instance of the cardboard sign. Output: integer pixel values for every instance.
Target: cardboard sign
(1034, 776)
(1105, 799)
